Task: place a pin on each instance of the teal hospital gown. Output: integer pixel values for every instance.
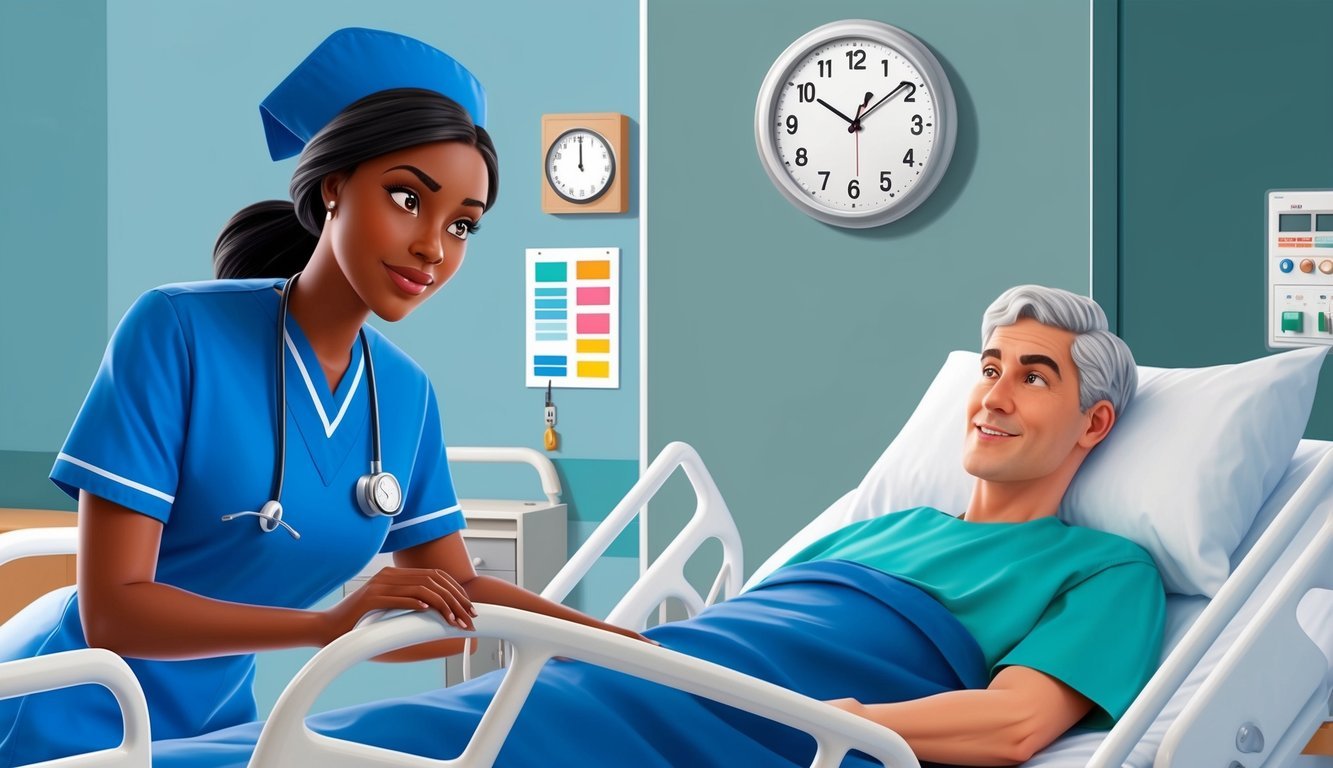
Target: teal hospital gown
(1083, 606)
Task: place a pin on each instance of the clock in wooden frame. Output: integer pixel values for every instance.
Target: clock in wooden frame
(585, 163)
(855, 123)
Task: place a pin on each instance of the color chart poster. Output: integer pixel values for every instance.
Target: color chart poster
(573, 317)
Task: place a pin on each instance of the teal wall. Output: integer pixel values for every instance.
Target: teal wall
(789, 352)
(144, 137)
(1221, 100)
(53, 219)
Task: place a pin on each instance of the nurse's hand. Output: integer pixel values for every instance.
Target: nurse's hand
(415, 589)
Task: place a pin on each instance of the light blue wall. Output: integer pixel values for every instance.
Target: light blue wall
(184, 84)
(148, 138)
(469, 338)
(789, 352)
(139, 136)
(52, 223)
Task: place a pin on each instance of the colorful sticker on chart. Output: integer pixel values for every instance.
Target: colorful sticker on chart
(572, 310)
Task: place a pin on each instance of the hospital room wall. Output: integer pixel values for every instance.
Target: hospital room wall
(1221, 100)
(53, 220)
(789, 352)
(140, 136)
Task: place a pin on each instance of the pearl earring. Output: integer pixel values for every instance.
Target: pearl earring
(331, 205)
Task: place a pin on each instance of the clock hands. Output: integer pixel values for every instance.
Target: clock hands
(853, 123)
(855, 130)
(891, 94)
(856, 124)
(835, 111)
(580, 153)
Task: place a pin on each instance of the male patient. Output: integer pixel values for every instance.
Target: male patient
(1051, 383)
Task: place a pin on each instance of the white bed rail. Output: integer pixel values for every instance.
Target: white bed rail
(91, 665)
(1268, 693)
(37, 542)
(665, 578)
(1221, 609)
(512, 455)
(286, 740)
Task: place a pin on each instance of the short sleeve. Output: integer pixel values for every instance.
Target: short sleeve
(430, 504)
(1102, 638)
(127, 440)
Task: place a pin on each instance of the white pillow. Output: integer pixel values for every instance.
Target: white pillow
(1183, 472)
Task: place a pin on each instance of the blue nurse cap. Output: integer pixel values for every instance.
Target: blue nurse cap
(353, 63)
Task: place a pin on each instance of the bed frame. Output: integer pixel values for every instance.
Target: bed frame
(1258, 707)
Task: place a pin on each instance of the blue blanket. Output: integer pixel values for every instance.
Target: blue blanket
(829, 629)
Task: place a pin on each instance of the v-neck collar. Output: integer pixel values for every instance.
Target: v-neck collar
(324, 401)
(330, 423)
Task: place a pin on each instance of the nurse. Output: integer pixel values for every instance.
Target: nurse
(250, 443)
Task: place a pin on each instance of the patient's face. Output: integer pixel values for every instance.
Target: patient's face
(1023, 416)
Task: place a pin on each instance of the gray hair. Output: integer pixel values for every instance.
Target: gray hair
(1106, 368)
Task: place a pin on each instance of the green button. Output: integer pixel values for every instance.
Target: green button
(1293, 321)
(1323, 322)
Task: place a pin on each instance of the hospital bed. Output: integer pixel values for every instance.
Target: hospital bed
(1241, 681)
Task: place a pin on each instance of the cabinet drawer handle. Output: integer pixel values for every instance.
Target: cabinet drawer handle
(477, 562)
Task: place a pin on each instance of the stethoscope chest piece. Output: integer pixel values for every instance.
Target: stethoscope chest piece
(378, 494)
(270, 516)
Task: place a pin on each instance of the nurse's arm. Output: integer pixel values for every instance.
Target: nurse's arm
(126, 611)
(1021, 712)
(449, 554)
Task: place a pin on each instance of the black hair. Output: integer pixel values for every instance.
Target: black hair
(275, 238)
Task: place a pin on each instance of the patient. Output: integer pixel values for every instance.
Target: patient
(1069, 619)
(980, 639)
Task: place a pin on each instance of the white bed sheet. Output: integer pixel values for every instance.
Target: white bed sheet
(1315, 615)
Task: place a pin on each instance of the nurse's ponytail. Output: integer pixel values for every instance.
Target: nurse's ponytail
(275, 238)
(263, 240)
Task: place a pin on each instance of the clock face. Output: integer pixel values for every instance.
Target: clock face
(855, 125)
(580, 165)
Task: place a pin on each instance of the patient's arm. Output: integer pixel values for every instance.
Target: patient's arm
(1021, 712)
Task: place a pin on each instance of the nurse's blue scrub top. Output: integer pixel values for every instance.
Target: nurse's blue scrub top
(180, 425)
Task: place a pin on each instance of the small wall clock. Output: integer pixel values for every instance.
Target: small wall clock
(584, 163)
(855, 123)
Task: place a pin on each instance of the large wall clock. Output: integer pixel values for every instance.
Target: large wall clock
(855, 123)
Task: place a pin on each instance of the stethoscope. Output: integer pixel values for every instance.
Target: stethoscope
(377, 492)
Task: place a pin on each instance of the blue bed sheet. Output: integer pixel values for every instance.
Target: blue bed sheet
(828, 629)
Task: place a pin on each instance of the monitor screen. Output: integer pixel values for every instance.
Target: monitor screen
(1293, 222)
